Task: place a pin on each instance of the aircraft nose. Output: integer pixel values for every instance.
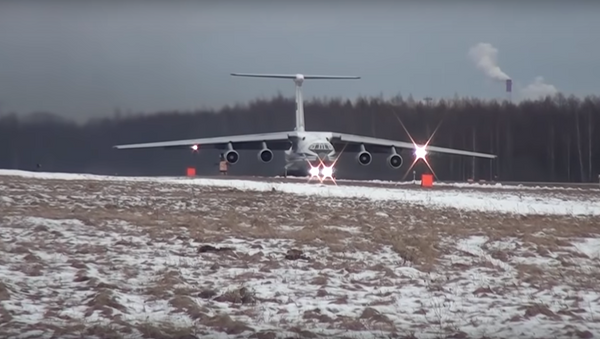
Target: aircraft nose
(326, 156)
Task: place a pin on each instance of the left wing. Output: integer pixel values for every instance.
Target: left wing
(376, 145)
(274, 141)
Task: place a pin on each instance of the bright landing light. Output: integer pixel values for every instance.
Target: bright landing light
(321, 172)
(327, 172)
(314, 171)
(420, 152)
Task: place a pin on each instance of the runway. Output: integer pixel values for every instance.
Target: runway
(438, 185)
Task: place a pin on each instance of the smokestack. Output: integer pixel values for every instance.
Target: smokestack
(509, 89)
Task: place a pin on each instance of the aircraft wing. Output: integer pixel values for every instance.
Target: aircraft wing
(375, 145)
(274, 141)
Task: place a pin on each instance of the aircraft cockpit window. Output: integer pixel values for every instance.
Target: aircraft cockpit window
(321, 146)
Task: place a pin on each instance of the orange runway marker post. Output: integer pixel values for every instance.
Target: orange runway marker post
(427, 180)
(191, 171)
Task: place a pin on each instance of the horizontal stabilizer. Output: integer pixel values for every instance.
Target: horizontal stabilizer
(295, 76)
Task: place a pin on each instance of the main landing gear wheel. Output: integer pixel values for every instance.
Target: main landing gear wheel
(294, 173)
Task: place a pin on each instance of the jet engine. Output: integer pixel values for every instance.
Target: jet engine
(394, 161)
(265, 155)
(232, 156)
(364, 158)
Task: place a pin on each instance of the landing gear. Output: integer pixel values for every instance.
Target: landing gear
(287, 173)
(294, 173)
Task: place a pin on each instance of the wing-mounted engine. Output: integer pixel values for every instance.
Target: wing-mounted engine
(231, 155)
(363, 157)
(265, 154)
(394, 160)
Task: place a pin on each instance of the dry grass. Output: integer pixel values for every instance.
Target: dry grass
(323, 251)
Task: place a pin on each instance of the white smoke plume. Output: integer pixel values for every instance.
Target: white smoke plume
(538, 89)
(484, 55)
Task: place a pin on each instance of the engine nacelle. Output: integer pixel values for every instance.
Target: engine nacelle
(232, 156)
(364, 158)
(394, 161)
(265, 155)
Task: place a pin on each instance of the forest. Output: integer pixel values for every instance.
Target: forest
(553, 139)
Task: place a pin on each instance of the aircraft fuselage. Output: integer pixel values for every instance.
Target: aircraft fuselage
(309, 149)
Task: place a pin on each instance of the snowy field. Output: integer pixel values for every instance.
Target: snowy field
(84, 256)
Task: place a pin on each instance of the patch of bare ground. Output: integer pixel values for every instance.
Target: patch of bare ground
(158, 260)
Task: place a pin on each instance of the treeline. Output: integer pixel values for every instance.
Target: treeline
(554, 139)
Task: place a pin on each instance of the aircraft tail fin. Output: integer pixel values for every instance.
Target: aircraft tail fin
(298, 80)
(296, 76)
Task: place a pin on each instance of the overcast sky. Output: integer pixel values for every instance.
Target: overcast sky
(86, 58)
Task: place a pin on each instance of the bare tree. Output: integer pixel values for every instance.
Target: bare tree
(535, 140)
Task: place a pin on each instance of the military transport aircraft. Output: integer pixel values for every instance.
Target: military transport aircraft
(307, 153)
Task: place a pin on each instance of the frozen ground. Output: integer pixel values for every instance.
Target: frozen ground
(115, 257)
(522, 200)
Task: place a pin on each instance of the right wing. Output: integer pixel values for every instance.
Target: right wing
(274, 141)
(376, 145)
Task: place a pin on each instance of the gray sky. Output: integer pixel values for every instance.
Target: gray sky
(85, 58)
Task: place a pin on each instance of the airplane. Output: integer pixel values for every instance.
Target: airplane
(306, 153)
